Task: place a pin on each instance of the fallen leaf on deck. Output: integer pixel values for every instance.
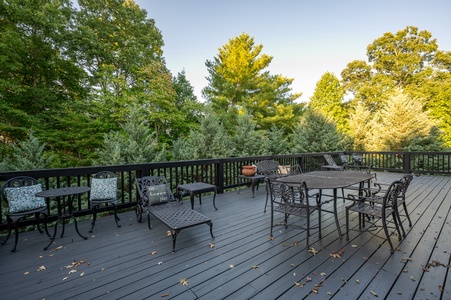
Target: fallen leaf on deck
(82, 274)
(41, 268)
(183, 281)
(153, 252)
(160, 263)
(374, 294)
(313, 251)
(72, 271)
(299, 284)
(354, 246)
(212, 245)
(65, 278)
(232, 266)
(337, 254)
(26, 273)
(255, 267)
(164, 295)
(412, 278)
(322, 274)
(309, 279)
(358, 281)
(168, 233)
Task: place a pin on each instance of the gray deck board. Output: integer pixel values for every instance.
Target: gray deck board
(133, 262)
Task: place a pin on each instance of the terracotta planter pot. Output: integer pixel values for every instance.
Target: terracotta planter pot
(249, 170)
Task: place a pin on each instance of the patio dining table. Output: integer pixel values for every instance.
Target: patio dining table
(326, 180)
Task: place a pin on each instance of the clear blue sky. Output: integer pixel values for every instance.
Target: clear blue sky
(305, 38)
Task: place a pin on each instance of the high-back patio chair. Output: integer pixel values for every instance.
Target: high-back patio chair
(293, 200)
(103, 191)
(19, 193)
(372, 211)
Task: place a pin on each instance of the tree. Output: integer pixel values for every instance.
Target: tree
(247, 139)
(277, 142)
(27, 155)
(211, 140)
(187, 105)
(400, 60)
(315, 133)
(401, 125)
(238, 81)
(40, 78)
(136, 143)
(328, 100)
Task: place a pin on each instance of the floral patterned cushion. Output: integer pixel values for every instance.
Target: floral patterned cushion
(103, 188)
(21, 199)
(157, 194)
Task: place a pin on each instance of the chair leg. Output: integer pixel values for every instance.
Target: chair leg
(384, 224)
(94, 217)
(16, 233)
(272, 224)
(347, 224)
(116, 217)
(399, 223)
(9, 231)
(407, 213)
(308, 230)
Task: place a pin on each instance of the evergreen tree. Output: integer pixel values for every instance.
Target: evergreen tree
(136, 143)
(277, 142)
(315, 133)
(211, 140)
(247, 139)
(401, 125)
(27, 155)
(328, 100)
(238, 80)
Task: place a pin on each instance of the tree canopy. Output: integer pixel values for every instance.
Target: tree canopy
(238, 81)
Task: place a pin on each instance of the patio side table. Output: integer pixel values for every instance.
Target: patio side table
(255, 181)
(199, 188)
(60, 195)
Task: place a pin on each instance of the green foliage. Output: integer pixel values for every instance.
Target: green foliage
(27, 155)
(277, 142)
(211, 140)
(328, 100)
(247, 139)
(187, 106)
(315, 133)
(135, 144)
(238, 81)
(401, 125)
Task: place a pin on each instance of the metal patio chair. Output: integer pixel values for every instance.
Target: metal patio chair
(103, 191)
(19, 193)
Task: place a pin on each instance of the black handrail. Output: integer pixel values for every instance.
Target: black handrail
(221, 172)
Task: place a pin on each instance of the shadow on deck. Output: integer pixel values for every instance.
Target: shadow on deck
(241, 262)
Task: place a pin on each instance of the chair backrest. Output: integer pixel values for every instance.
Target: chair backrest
(407, 179)
(330, 161)
(160, 194)
(22, 200)
(284, 194)
(267, 167)
(103, 187)
(392, 194)
(343, 158)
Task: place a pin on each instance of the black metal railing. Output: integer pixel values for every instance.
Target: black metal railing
(221, 172)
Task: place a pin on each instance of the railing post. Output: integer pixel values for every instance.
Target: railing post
(219, 176)
(406, 162)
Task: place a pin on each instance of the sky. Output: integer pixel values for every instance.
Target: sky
(305, 38)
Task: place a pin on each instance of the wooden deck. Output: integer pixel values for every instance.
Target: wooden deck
(241, 262)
